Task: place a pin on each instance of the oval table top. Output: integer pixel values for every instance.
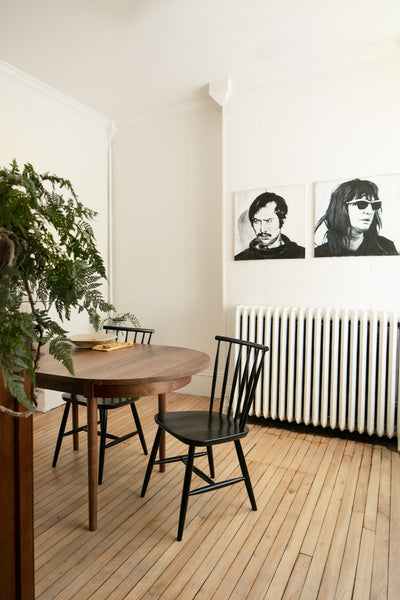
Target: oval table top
(140, 369)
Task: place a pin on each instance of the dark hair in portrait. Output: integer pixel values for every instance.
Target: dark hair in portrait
(262, 200)
(353, 221)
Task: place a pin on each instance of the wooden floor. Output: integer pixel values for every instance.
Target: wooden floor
(327, 525)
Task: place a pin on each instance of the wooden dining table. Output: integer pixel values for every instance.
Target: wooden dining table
(138, 370)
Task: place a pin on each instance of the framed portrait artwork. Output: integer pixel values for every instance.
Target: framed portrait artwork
(270, 223)
(357, 217)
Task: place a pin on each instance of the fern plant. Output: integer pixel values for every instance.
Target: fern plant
(49, 265)
(122, 320)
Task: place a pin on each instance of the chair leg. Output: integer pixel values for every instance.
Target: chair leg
(61, 433)
(185, 491)
(245, 473)
(211, 461)
(139, 427)
(152, 458)
(103, 439)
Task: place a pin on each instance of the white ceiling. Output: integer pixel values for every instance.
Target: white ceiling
(121, 57)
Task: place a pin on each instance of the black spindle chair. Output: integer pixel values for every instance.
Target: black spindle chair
(137, 335)
(242, 368)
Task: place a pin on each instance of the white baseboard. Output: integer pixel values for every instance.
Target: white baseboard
(48, 399)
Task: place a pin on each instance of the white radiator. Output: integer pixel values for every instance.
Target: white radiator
(333, 368)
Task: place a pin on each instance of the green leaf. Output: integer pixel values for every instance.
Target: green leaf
(54, 267)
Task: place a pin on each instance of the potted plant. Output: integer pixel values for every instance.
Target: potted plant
(49, 266)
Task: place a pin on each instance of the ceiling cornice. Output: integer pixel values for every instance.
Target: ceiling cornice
(7, 70)
(329, 62)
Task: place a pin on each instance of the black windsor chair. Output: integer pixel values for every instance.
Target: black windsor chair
(137, 336)
(243, 364)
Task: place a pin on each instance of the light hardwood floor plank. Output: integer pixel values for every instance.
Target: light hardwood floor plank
(362, 584)
(336, 551)
(394, 541)
(380, 571)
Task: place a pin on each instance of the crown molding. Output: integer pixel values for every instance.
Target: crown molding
(191, 107)
(312, 65)
(19, 76)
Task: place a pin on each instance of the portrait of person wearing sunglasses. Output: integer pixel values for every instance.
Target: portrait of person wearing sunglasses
(353, 221)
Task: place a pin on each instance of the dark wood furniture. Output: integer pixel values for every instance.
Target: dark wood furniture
(241, 365)
(17, 573)
(138, 335)
(139, 370)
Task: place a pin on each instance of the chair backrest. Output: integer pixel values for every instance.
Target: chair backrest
(138, 335)
(243, 365)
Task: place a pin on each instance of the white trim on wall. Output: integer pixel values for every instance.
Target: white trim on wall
(329, 62)
(111, 132)
(43, 88)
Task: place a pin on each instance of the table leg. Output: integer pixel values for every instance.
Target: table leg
(92, 460)
(162, 406)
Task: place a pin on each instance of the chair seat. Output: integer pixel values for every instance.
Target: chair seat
(106, 402)
(201, 428)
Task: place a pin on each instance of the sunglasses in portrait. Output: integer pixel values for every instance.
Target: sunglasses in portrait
(362, 204)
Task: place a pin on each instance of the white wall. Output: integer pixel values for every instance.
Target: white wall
(301, 128)
(174, 181)
(167, 227)
(56, 134)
